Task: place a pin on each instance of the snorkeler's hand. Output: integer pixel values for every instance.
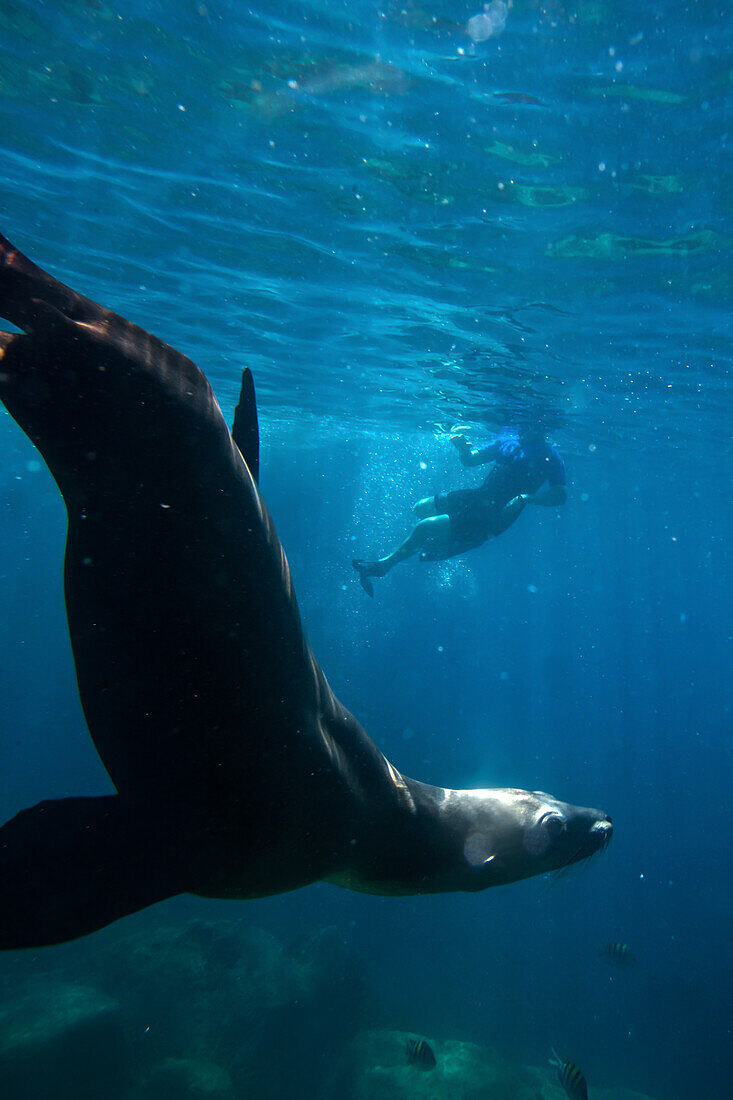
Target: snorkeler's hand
(462, 445)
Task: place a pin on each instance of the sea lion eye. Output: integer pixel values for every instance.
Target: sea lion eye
(544, 833)
(553, 826)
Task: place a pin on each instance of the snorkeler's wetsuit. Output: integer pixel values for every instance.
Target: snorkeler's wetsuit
(478, 514)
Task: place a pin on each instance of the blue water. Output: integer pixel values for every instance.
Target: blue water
(398, 230)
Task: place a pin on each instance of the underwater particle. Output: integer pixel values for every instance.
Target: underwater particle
(420, 1054)
(571, 1078)
(488, 23)
(619, 954)
(585, 497)
(33, 466)
(503, 675)
(533, 589)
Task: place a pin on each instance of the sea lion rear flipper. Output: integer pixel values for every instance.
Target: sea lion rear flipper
(71, 866)
(6, 339)
(79, 375)
(245, 429)
(22, 282)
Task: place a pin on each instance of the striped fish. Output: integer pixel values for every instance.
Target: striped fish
(420, 1054)
(571, 1078)
(618, 953)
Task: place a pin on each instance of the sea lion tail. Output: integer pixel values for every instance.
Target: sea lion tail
(71, 866)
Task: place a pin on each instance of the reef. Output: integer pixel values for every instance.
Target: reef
(221, 1010)
(216, 1010)
(376, 1067)
(61, 1040)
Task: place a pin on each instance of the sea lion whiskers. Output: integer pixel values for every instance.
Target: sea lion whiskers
(577, 862)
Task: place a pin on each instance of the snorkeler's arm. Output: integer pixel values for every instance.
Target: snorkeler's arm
(549, 498)
(471, 456)
(556, 492)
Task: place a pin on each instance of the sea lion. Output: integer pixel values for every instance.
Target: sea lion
(239, 774)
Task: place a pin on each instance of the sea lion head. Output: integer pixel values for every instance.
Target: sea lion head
(509, 834)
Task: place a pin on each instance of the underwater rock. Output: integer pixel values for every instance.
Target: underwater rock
(223, 992)
(376, 1067)
(619, 1094)
(544, 1085)
(61, 1042)
(186, 1079)
(197, 989)
(303, 1034)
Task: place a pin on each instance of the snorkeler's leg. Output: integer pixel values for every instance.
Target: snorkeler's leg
(433, 531)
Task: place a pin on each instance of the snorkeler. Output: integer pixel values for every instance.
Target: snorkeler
(452, 523)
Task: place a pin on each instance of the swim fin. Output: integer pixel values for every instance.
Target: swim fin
(362, 568)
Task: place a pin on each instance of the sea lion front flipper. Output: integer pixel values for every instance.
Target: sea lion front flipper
(71, 866)
(245, 429)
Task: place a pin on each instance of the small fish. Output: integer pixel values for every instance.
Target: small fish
(571, 1078)
(420, 1054)
(620, 954)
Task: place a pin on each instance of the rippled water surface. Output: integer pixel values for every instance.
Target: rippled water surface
(394, 224)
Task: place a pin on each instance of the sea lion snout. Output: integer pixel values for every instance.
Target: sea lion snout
(561, 834)
(603, 830)
(599, 830)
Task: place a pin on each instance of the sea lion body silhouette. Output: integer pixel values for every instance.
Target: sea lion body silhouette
(238, 772)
